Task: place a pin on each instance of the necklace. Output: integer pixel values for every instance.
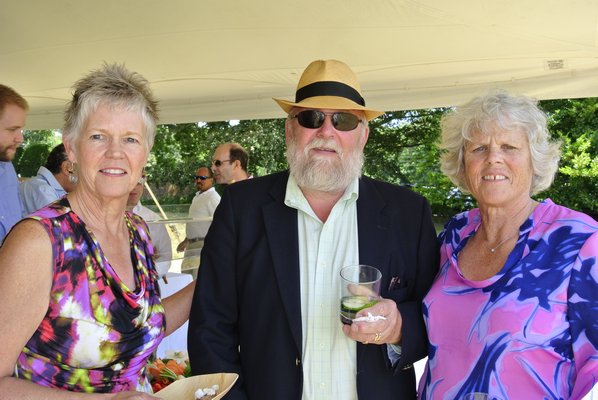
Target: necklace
(493, 249)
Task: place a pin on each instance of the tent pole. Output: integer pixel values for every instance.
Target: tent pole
(155, 200)
(172, 227)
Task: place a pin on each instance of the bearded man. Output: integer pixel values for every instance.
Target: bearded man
(267, 300)
(13, 109)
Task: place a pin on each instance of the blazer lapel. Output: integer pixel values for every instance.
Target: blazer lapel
(373, 226)
(281, 230)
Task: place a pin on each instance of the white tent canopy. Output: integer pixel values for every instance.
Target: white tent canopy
(211, 60)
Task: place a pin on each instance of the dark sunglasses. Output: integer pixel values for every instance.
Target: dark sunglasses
(313, 119)
(219, 162)
(202, 177)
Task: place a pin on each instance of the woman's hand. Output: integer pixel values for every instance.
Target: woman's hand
(381, 331)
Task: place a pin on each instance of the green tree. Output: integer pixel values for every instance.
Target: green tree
(575, 123)
(180, 149)
(34, 151)
(401, 149)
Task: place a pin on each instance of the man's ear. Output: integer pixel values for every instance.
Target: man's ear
(364, 139)
(66, 167)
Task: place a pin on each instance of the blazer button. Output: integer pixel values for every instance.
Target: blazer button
(297, 362)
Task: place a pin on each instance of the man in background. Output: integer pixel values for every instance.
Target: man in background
(158, 232)
(13, 110)
(201, 211)
(229, 163)
(53, 180)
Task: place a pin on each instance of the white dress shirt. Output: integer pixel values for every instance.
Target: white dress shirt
(160, 238)
(202, 207)
(329, 357)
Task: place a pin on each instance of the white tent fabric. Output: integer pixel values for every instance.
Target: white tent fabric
(211, 60)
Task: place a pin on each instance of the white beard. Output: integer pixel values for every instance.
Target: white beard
(323, 174)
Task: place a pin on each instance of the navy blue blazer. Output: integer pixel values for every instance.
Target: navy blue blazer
(246, 311)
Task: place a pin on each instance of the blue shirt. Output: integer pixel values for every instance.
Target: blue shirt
(10, 205)
(39, 191)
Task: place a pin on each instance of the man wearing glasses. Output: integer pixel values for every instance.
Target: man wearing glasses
(229, 164)
(201, 210)
(267, 300)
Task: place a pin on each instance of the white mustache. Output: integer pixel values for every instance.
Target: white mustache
(319, 143)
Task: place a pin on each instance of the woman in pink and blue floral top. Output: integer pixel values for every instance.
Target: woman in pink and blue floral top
(514, 309)
(81, 310)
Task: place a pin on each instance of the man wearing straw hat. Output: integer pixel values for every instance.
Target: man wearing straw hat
(266, 305)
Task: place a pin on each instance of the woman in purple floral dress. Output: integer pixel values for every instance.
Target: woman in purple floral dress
(514, 309)
(81, 310)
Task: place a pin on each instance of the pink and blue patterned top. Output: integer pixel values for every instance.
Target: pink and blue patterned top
(530, 331)
(97, 334)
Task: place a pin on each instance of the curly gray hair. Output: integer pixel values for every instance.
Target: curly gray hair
(498, 108)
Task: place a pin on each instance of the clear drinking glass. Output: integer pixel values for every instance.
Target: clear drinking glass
(360, 288)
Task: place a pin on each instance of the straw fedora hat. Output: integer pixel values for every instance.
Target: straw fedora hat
(329, 84)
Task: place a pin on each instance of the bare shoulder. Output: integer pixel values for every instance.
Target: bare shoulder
(27, 248)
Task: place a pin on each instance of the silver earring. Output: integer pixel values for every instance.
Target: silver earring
(73, 178)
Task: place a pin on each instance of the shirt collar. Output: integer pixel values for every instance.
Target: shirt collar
(294, 197)
(205, 191)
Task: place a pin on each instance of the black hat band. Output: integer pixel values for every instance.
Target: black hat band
(329, 88)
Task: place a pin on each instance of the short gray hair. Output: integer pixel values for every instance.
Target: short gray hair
(115, 86)
(508, 112)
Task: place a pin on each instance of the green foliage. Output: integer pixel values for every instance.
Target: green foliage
(575, 123)
(180, 149)
(34, 151)
(401, 149)
(33, 157)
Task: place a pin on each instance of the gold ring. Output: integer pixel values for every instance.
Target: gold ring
(377, 337)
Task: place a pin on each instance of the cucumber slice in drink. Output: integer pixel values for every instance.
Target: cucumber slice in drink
(356, 303)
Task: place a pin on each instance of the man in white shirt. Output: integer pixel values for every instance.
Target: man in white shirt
(158, 232)
(201, 212)
(53, 180)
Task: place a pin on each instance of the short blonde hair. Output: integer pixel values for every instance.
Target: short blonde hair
(498, 108)
(115, 86)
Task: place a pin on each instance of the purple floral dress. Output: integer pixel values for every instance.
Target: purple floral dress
(97, 333)
(530, 331)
